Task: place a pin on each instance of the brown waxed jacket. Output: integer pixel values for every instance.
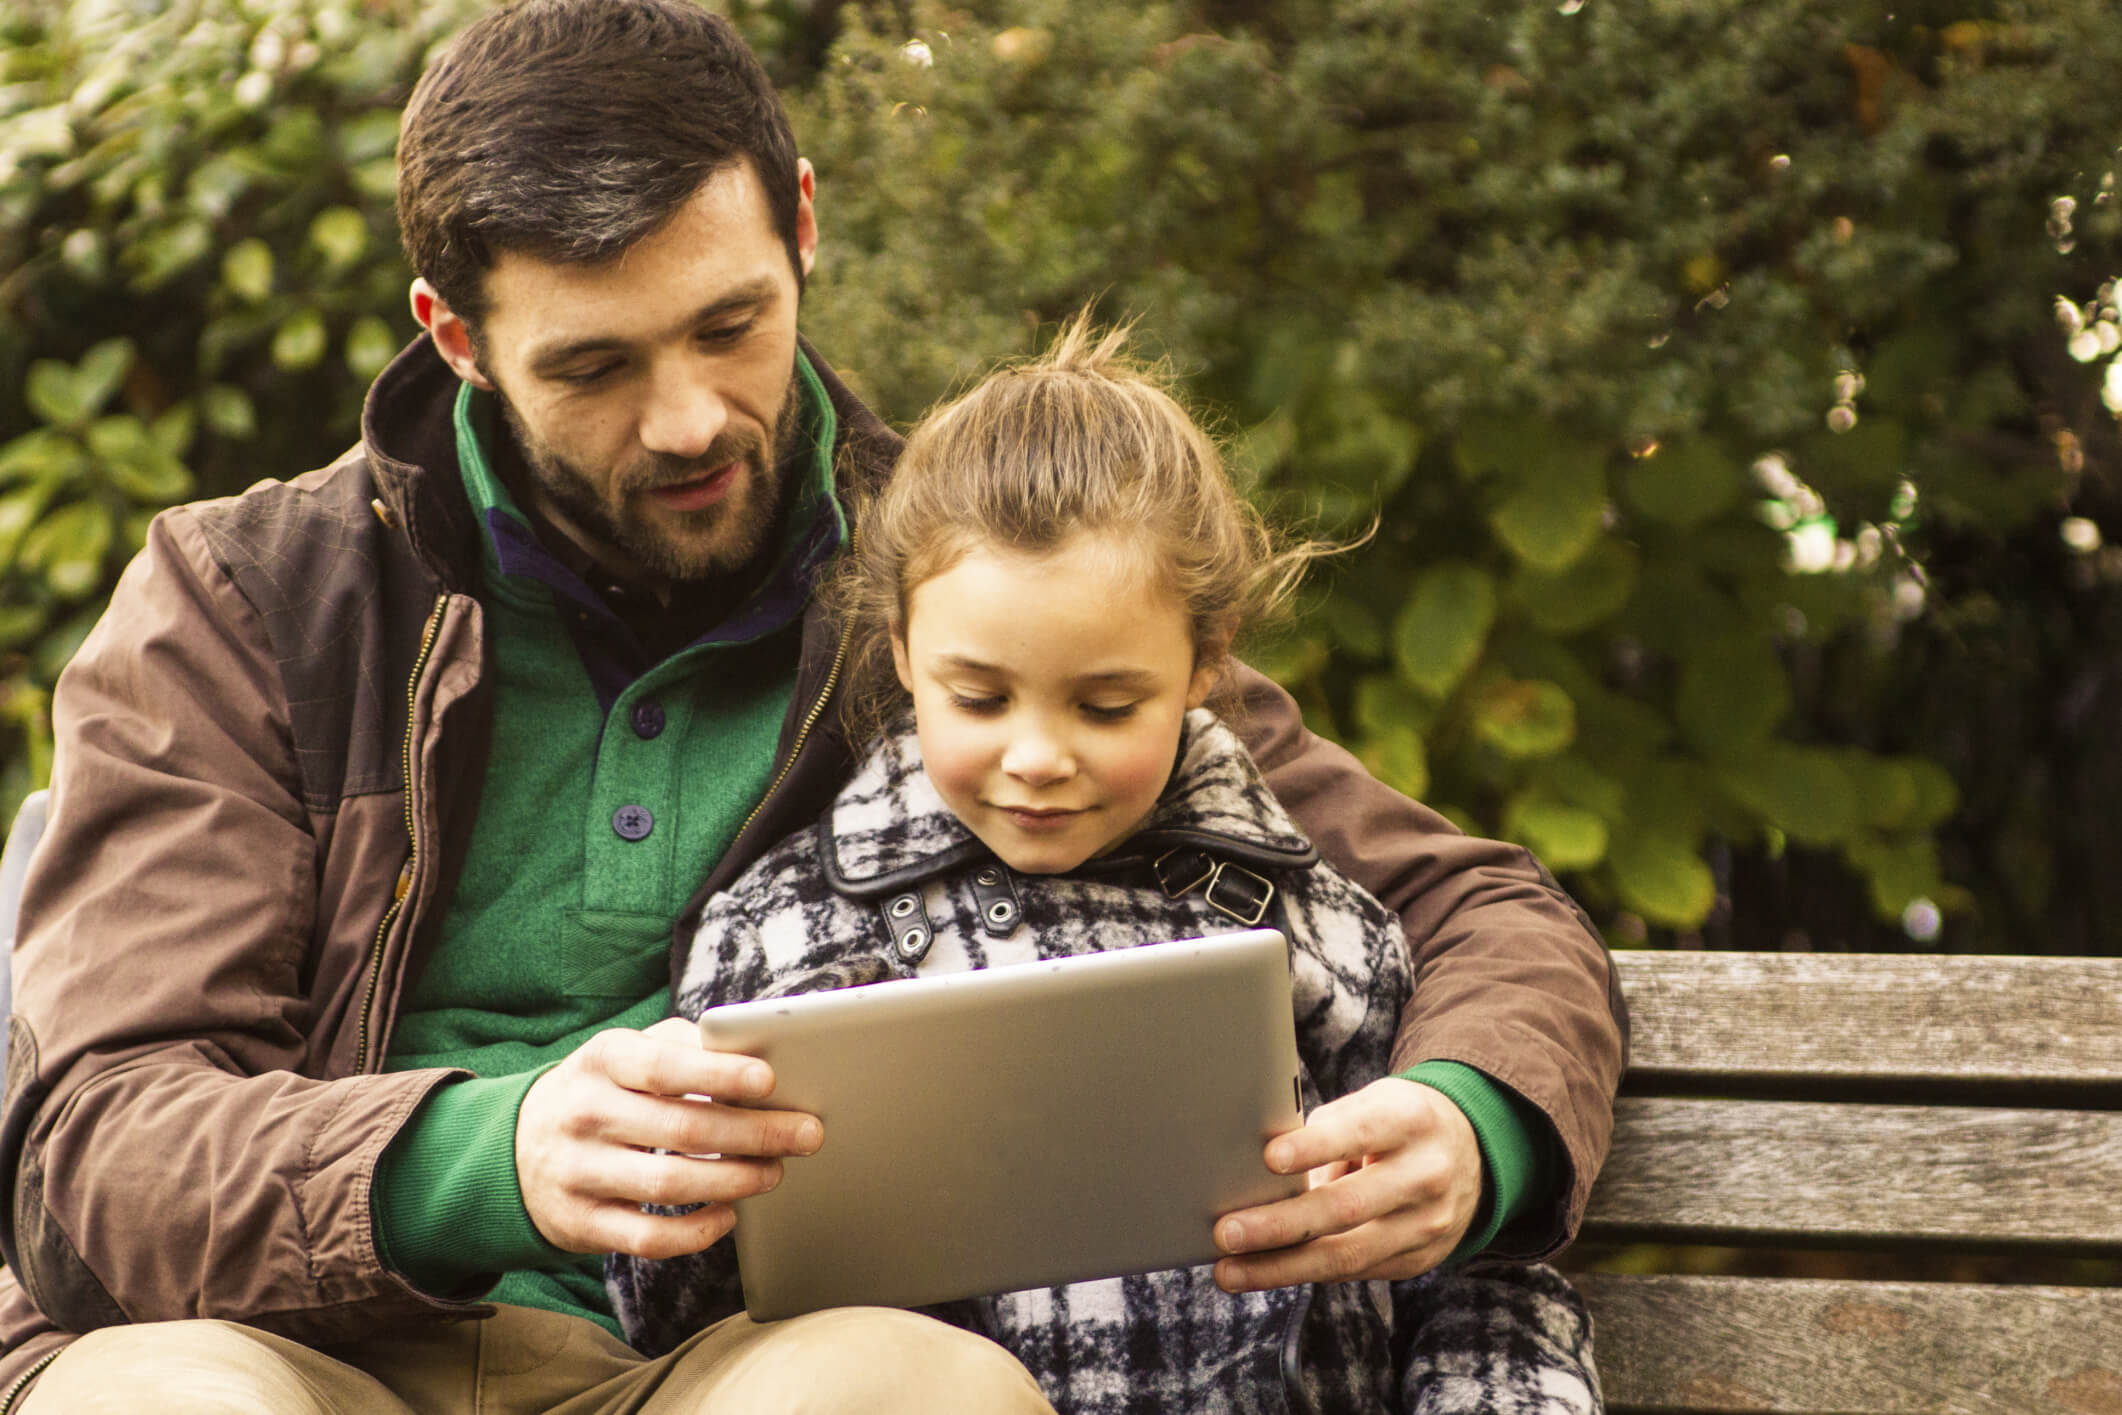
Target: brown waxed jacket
(269, 761)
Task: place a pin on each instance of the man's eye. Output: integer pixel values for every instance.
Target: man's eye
(1109, 712)
(978, 704)
(722, 334)
(585, 377)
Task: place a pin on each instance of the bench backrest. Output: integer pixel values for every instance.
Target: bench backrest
(1891, 1102)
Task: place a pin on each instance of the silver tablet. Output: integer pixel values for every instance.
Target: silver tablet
(1021, 1126)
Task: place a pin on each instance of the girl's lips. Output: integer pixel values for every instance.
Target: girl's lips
(699, 493)
(1048, 819)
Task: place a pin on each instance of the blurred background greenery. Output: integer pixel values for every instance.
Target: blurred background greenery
(1736, 379)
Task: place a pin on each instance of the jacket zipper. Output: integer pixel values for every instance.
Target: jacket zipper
(412, 835)
(810, 720)
(14, 1392)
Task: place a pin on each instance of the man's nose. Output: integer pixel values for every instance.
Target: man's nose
(685, 414)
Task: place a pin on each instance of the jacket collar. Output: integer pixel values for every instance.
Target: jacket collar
(889, 828)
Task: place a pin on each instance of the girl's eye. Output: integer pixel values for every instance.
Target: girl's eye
(1114, 712)
(980, 705)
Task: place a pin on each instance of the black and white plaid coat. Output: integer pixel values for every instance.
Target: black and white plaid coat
(828, 908)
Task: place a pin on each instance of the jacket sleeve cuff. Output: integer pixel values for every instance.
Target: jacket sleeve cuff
(448, 1211)
(1518, 1161)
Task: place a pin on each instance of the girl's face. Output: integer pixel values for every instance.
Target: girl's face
(1048, 695)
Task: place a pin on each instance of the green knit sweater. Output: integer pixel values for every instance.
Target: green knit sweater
(595, 827)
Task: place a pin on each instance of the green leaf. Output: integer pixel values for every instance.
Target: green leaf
(1684, 485)
(19, 511)
(44, 453)
(168, 252)
(136, 463)
(1899, 871)
(369, 346)
(1487, 446)
(299, 344)
(1385, 703)
(228, 411)
(1398, 758)
(1802, 791)
(52, 393)
(1555, 515)
(1565, 837)
(1885, 790)
(1289, 659)
(1580, 783)
(247, 269)
(1675, 611)
(340, 233)
(1354, 625)
(68, 546)
(1937, 797)
(1526, 718)
(216, 186)
(1662, 878)
(1589, 592)
(19, 624)
(1439, 633)
(1733, 692)
(100, 372)
(1262, 448)
(368, 136)
(173, 430)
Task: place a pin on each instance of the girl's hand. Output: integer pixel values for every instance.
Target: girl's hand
(1395, 1179)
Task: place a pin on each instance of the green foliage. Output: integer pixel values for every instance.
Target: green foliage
(1718, 373)
(1668, 339)
(195, 214)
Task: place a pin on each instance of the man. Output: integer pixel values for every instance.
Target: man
(379, 791)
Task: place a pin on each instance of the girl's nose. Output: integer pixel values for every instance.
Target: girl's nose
(1038, 759)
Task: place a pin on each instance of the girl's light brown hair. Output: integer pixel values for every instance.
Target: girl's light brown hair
(1080, 440)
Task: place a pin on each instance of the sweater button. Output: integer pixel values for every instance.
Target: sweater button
(633, 822)
(648, 720)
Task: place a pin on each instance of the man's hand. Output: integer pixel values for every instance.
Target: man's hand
(1395, 1179)
(589, 1129)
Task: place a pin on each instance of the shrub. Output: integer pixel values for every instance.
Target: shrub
(1733, 381)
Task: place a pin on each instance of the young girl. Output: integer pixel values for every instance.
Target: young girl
(1051, 582)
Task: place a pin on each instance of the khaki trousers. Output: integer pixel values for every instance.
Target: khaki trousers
(523, 1361)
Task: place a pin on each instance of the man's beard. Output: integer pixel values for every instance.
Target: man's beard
(748, 518)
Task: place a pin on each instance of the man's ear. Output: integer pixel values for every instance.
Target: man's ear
(900, 661)
(806, 214)
(453, 338)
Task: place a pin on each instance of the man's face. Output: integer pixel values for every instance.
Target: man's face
(651, 395)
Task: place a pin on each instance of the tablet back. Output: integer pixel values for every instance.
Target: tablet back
(1018, 1127)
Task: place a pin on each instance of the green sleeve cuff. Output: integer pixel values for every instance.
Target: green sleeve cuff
(1518, 1159)
(449, 1213)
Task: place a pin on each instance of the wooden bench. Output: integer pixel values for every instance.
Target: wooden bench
(1918, 1105)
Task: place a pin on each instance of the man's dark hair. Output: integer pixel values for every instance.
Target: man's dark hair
(567, 130)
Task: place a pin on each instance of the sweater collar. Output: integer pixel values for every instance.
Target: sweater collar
(889, 828)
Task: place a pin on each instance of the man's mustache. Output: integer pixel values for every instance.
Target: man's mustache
(667, 469)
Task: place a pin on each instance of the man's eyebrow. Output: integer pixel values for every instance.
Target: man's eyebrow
(751, 295)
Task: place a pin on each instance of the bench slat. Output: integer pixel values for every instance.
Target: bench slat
(1787, 1172)
(1802, 1347)
(1705, 1017)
